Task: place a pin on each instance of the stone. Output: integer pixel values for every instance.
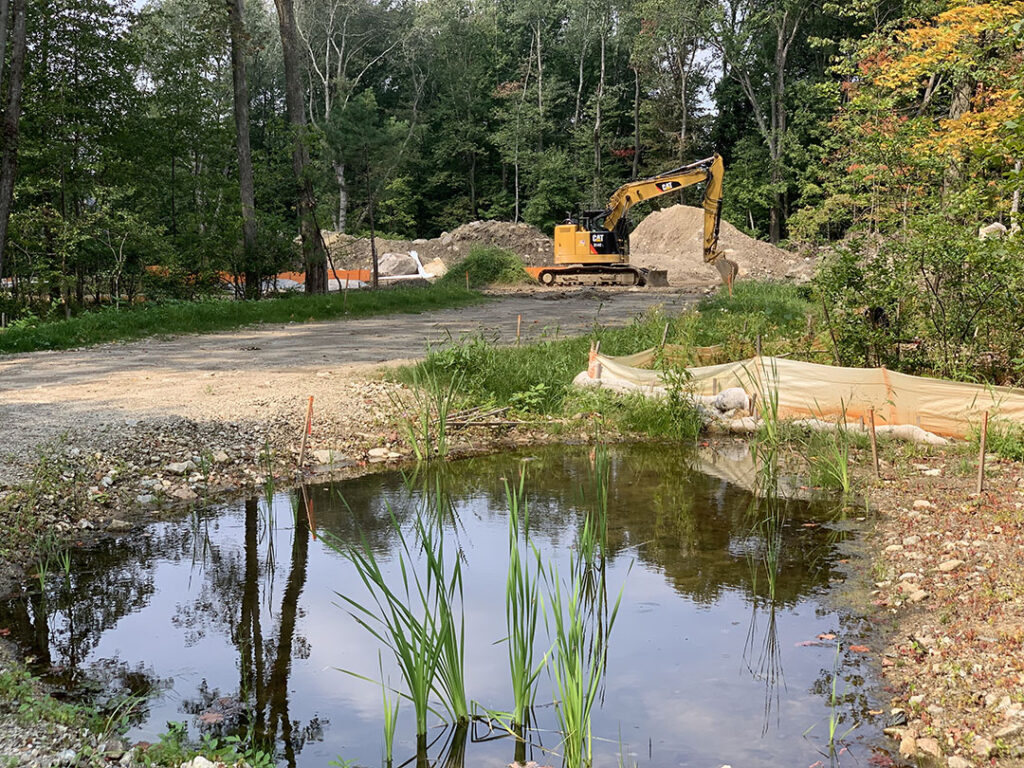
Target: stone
(180, 467)
(396, 264)
(982, 747)
(185, 494)
(221, 457)
(67, 757)
(1010, 730)
(922, 504)
(932, 473)
(915, 701)
(145, 498)
(199, 762)
(910, 541)
(378, 453)
(959, 762)
(119, 525)
(917, 596)
(894, 548)
(324, 457)
(908, 746)
(731, 399)
(950, 565)
(929, 746)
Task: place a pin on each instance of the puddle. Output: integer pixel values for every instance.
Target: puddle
(231, 619)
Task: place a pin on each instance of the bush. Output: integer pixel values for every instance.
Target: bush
(487, 265)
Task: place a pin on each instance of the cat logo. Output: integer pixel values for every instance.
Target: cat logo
(597, 238)
(667, 186)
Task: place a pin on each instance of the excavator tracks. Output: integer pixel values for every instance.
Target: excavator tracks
(598, 274)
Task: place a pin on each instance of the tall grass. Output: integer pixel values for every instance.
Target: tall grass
(420, 619)
(577, 665)
(487, 265)
(522, 604)
(390, 717)
(210, 315)
(829, 454)
(426, 428)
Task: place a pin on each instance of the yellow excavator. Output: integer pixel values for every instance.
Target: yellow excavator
(594, 248)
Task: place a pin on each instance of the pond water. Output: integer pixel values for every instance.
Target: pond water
(231, 618)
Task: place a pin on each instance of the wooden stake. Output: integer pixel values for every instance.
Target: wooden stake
(467, 279)
(981, 452)
(874, 443)
(753, 406)
(306, 432)
(519, 325)
(664, 336)
(759, 345)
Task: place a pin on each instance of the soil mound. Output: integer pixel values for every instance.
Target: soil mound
(673, 239)
(529, 243)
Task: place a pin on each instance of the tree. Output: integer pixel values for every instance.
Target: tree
(314, 251)
(246, 186)
(12, 114)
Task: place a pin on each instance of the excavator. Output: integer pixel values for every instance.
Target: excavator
(594, 248)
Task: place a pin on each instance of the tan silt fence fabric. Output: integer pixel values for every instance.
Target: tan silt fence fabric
(810, 390)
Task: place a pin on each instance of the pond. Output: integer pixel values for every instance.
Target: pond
(233, 619)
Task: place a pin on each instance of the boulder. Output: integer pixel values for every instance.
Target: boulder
(731, 399)
(394, 264)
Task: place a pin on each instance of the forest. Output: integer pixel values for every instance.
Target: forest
(150, 146)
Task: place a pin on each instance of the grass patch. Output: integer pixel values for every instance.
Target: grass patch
(210, 315)
(1005, 440)
(31, 706)
(487, 265)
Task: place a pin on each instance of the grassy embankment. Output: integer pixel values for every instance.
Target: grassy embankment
(536, 379)
(211, 315)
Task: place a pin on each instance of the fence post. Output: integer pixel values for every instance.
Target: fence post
(874, 443)
(981, 451)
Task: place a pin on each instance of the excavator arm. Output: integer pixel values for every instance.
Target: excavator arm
(709, 171)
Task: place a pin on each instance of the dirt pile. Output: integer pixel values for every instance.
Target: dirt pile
(532, 245)
(673, 239)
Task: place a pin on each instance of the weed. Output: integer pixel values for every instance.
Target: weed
(390, 717)
(829, 456)
(175, 748)
(433, 401)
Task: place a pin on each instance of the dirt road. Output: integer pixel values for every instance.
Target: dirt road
(98, 396)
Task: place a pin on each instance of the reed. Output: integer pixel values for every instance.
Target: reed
(577, 664)
(420, 619)
(433, 400)
(390, 717)
(522, 604)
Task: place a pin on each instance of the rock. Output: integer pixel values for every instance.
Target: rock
(983, 747)
(180, 467)
(950, 565)
(908, 746)
(378, 453)
(731, 399)
(1010, 730)
(910, 541)
(918, 596)
(929, 747)
(395, 264)
(894, 548)
(221, 457)
(959, 762)
(145, 498)
(324, 457)
(915, 701)
(85, 525)
(119, 525)
(198, 762)
(932, 473)
(922, 504)
(67, 757)
(184, 493)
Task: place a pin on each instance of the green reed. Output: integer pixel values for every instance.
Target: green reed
(522, 603)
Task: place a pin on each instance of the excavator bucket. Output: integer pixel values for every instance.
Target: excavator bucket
(657, 278)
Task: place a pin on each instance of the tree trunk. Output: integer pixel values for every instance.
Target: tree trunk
(12, 115)
(596, 194)
(342, 220)
(246, 186)
(4, 12)
(314, 252)
(636, 122)
(540, 94)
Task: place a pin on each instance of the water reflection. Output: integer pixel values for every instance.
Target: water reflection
(228, 620)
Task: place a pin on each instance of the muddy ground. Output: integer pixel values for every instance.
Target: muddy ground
(158, 425)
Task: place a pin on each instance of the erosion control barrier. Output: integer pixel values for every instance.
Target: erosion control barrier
(825, 392)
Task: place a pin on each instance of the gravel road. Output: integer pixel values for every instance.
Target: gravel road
(255, 373)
